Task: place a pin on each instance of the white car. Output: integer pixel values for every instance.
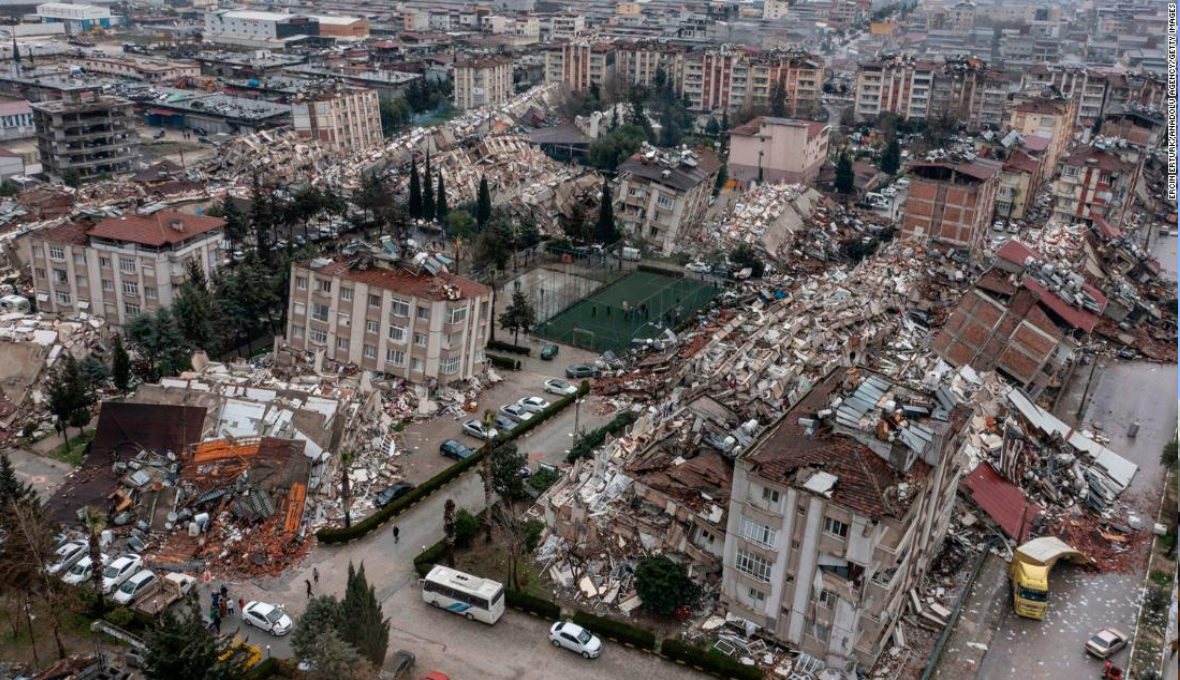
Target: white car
(516, 412)
(119, 571)
(575, 638)
(81, 572)
(67, 555)
(698, 267)
(560, 387)
(533, 404)
(477, 429)
(142, 583)
(268, 617)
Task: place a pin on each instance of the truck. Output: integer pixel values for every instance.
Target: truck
(174, 586)
(1028, 573)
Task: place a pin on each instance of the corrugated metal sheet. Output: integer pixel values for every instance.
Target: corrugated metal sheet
(1002, 501)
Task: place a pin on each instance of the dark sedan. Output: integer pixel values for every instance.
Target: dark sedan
(391, 493)
(453, 448)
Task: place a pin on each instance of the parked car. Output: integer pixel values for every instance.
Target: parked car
(548, 352)
(267, 617)
(81, 572)
(119, 571)
(453, 448)
(559, 386)
(477, 429)
(1106, 642)
(142, 583)
(504, 423)
(67, 555)
(435, 675)
(697, 267)
(402, 665)
(575, 638)
(537, 404)
(516, 412)
(391, 493)
(580, 371)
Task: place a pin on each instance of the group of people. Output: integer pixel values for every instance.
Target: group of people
(222, 607)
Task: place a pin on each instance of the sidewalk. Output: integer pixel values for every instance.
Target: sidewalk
(977, 624)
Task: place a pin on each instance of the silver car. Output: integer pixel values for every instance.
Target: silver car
(477, 429)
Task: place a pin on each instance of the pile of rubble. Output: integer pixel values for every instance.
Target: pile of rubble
(766, 217)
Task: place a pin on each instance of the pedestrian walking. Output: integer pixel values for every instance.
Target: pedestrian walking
(315, 575)
(214, 596)
(241, 603)
(396, 534)
(217, 624)
(222, 609)
(308, 588)
(229, 606)
(224, 591)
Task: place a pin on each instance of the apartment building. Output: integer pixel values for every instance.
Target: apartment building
(346, 119)
(344, 28)
(838, 510)
(1085, 86)
(565, 26)
(485, 81)
(899, 85)
(1096, 181)
(960, 18)
(121, 266)
(86, 134)
(390, 316)
(951, 201)
(662, 196)
(735, 78)
(967, 89)
(638, 62)
(775, 10)
(148, 70)
(777, 150)
(578, 65)
(1047, 116)
(16, 119)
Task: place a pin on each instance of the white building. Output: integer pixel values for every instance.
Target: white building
(252, 28)
(482, 82)
(77, 18)
(347, 120)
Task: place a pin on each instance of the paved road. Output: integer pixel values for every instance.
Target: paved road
(44, 473)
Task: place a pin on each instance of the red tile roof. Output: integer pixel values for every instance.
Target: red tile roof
(157, 229)
(1022, 162)
(1016, 252)
(400, 280)
(1074, 316)
(1002, 501)
(1107, 229)
(68, 234)
(1106, 160)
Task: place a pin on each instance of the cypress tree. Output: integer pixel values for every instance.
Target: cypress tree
(441, 209)
(483, 206)
(427, 192)
(415, 207)
(367, 629)
(605, 231)
(121, 365)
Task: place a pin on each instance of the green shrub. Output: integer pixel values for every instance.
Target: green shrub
(430, 557)
(662, 271)
(710, 662)
(596, 438)
(503, 362)
(544, 478)
(664, 585)
(616, 630)
(121, 617)
(263, 669)
(501, 346)
(1161, 578)
(466, 527)
(1157, 600)
(534, 605)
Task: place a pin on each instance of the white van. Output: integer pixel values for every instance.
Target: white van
(136, 587)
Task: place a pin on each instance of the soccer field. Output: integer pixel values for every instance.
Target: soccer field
(602, 321)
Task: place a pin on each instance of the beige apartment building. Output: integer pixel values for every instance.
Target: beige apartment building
(480, 82)
(388, 316)
(121, 266)
(346, 119)
(777, 150)
(579, 64)
(837, 511)
(1049, 117)
(899, 85)
(735, 78)
(663, 196)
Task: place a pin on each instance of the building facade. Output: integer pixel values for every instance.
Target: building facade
(663, 196)
(78, 18)
(486, 81)
(896, 85)
(736, 78)
(148, 70)
(777, 150)
(344, 119)
(1048, 117)
(382, 316)
(580, 64)
(638, 62)
(16, 120)
(951, 202)
(1096, 181)
(86, 135)
(836, 513)
(121, 266)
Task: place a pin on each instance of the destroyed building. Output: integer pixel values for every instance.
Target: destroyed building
(837, 511)
(662, 196)
(951, 201)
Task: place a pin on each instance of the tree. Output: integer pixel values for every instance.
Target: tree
(193, 308)
(449, 530)
(323, 614)
(845, 175)
(415, 205)
(519, 316)
(489, 419)
(467, 528)
(778, 99)
(331, 658)
(160, 343)
(722, 179)
(606, 231)
(609, 151)
(26, 552)
(891, 158)
(713, 128)
(12, 489)
(663, 586)
(492, 250)
(262, 219)
(483, 205)
(68, 396)
(236, 226)
(182, 647)
(72, 178)
(745, 256)
(575, 225)
(513, 531)
(121, 365)
(440, 208)
(427, 192)
(506, 464)
(367, 629)
(1168, 457)
(460, 224)
(395, 116)
(95, 522)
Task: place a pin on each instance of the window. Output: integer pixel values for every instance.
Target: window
(397, 333)
(456, 315)
(319, 336)
(420, 339)
(325, 286)
(60, 276)
(835, 527)
(300, 309)
(827, 599)
(342, 344)
(104, 262)
(39, 272)
(372, 327)
(752, 565)
(758, 533)
(63, 297)
(343, 320)
(149, 270)
(424, 313)
(757, 595)
(1069, 171)
(664, 202)
(108, 285)
(79, 258)
(130, 288)
(399, 308)
(450, 366)
(455, 340)
(126, 265)
(770, 495)
(417, 364)
(38, 251)
(149, 292)
(370, 352)
(297, 332)
(57, 252)
(822, 631)
(319, 312)
(374, 300)
(346, 294)
(395, 357)
(301, 283)
(653, 232)
(82, 281)
(131, 309)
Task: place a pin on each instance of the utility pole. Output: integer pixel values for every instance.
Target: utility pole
(1086, 392)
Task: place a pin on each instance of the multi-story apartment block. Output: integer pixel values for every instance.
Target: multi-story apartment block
(342, 119)
(951, 202)
(1096, 181)
(662, 196)
(387, 315)
(121, 266)
(897, 85)
(837, 511)
(737, 78)
(638, 62)
(1084, 85)
(775, 10)
(86, 134)
(1049, 117)
(967, 89)
(777, 150)
(578, 65)
(960, 17)
(485, 81)
(566, 26)
(16, 119)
